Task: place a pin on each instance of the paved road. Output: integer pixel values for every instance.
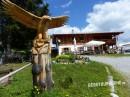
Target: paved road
(122, 64)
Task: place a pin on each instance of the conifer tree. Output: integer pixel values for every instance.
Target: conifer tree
(15, 34)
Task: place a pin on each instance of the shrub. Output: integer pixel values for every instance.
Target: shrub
(65, 58)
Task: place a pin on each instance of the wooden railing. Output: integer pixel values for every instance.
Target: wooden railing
(13, 72)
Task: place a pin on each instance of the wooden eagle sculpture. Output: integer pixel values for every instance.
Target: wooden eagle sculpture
(41, 69)
(41, 24)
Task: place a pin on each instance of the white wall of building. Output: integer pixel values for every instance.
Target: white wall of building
(72, 48)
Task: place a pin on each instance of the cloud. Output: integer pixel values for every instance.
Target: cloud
(65, 29)
(67, 4)
(110, 16)
(66, 12)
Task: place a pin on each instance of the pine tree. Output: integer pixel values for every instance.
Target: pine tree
(16, 34)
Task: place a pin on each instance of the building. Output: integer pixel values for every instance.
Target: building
(72, 42)
(124, 48)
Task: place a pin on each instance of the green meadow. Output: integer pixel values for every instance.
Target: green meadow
(71, 80)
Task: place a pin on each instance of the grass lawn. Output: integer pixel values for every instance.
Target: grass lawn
(116, 55)
(81, 75)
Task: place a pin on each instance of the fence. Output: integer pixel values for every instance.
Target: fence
(14, 72)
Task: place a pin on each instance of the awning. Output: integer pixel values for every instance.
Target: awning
(94, 43)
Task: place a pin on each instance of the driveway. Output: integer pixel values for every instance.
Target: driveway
(122, 64)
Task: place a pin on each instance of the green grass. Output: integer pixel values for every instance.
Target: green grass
(116, 55)
(81, 75)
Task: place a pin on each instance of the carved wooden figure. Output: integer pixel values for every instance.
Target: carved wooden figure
(41, 50)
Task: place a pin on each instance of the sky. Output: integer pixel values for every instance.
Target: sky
(93, 16)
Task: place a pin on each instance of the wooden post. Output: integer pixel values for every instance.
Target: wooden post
(41, 69)
(41, 50)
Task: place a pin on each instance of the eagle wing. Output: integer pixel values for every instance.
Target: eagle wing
(58, 21)
(21, 15)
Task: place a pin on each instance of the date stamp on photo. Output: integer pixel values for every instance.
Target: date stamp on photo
(103, 84)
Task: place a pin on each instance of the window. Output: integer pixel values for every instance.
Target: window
(66, 50)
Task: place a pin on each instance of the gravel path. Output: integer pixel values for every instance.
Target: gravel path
(121, 64)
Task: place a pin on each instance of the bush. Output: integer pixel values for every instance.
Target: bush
(65, 58)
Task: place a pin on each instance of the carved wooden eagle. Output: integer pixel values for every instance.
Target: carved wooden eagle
(31, 20)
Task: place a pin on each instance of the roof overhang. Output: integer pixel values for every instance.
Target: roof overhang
(91, 33)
